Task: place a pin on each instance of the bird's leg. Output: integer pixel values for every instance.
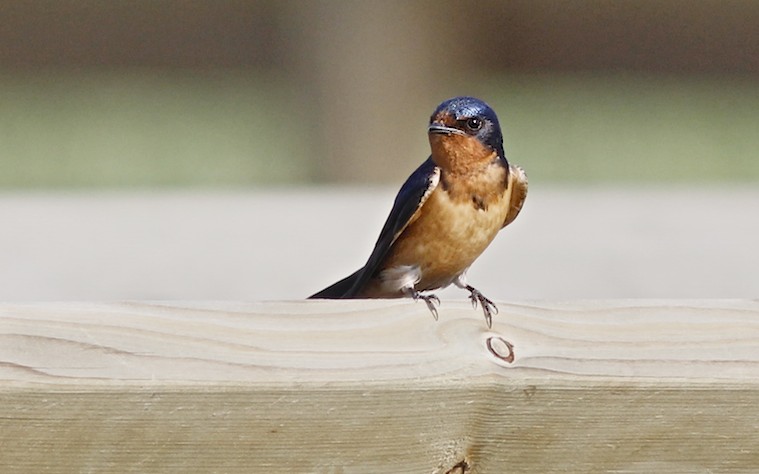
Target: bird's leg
(430, 300)
(488, 307)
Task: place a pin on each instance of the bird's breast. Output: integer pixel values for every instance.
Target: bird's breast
(457, 222)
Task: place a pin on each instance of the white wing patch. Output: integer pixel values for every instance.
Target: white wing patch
(400, 278)
(434, 180)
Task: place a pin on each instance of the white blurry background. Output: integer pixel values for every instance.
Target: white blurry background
(568, 243)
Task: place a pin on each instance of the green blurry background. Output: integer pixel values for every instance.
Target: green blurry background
(256, 93)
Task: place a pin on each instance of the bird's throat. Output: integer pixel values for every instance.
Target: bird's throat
(460, 155)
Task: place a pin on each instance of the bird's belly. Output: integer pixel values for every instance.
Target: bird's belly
(447, 237)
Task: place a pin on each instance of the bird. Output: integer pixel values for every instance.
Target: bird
(446, 213)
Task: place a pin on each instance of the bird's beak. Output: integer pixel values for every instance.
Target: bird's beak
(440, 129)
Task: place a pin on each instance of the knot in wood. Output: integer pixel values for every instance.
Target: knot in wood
(501, 348)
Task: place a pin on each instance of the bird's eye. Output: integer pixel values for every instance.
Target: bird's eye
(474, 124)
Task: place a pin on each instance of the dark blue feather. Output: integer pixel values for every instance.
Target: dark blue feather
(406, 203)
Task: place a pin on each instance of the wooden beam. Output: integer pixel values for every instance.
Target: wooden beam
(379, 386)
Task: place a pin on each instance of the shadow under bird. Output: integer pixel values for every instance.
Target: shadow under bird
(445, 214)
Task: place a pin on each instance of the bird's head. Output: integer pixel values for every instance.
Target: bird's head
(463, 133)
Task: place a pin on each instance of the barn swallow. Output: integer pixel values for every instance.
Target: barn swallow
(445, 214)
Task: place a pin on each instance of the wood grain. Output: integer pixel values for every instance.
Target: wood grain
(379, 386)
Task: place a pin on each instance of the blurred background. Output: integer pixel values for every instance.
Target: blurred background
(259, 97)
(250, 93)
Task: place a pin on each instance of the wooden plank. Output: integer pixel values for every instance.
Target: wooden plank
(379, 386)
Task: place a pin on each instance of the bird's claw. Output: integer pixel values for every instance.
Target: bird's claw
(430, 301)
(488, 307)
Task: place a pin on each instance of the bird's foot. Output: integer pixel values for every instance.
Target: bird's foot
(488, 307)
(430, 300)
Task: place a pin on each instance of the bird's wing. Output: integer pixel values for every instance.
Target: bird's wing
(338, 290)
(409, 200)
(518, 182)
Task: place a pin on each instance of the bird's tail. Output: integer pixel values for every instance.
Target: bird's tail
(343, 289)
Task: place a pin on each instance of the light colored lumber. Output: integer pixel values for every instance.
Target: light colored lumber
(379, 386)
